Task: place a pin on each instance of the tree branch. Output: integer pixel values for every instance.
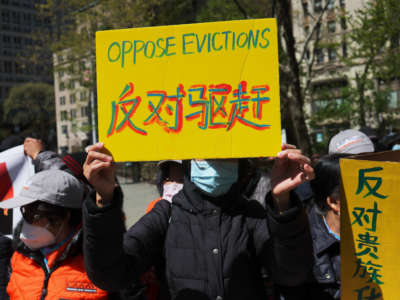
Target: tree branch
(241, 9)
(314, 28)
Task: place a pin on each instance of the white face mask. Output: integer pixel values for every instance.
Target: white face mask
(170, 190)
(36, 237)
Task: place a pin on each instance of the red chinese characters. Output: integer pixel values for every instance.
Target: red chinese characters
(216, 106)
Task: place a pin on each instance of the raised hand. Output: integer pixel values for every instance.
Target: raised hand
(291, 169)
(99, 171)
(32, 147)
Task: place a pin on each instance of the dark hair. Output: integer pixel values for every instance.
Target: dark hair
(162, 175)
(327, 180)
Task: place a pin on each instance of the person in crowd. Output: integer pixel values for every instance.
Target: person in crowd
(324, 219)
(71, 163)
(349, 141)
(212, 241)
(45, 159)
(6, 249)
(48, 262)
(352, 142)
(169, 180)
(169, 183)
(5, 256)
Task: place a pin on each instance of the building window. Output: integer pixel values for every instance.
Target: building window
(62, 100)
(83, 95)
(61, 86)
(394, 99)
(344, 49)
(63, 149)
(319, 105)
(331, 26)
(64, 129)
(71, 68)
(82, 66)
(319, 137)
(17, 41)
(306, 30)
(60, 74)
(60, 58)
(343, 23)
(7, 67)
(331, 4)
(6, 39)
(73, 114)
(63, 115)
(319, 54)
(18, 68)
(331, 55)
(16, 17)
(72, 84)
(317, 5)
(5, 16)
(85, 126)
(72, 98)
(27, 19)
(84, 111)
(342, 3)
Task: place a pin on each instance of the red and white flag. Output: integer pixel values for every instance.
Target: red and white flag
(15, 169)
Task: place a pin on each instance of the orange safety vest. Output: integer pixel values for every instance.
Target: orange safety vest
(30, 281)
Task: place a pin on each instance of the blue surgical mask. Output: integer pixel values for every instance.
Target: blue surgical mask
(214, 177)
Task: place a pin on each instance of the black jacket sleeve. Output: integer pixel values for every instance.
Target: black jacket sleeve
(286, 248)
(113, 259)
(6, 252)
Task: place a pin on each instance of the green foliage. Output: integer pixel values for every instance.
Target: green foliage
(374, 53)
(375, 43)
(30, 107)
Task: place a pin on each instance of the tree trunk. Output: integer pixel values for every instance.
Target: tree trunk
(296, 102)
(360, 82)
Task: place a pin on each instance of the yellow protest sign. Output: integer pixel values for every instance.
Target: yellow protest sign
(208, 90)
(370, 230)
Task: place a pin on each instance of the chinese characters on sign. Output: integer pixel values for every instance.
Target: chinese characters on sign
(212, 102)
(365, 217)
(205, 90)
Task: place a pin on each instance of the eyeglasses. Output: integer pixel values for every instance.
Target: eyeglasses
(38, 210)
(31, 215)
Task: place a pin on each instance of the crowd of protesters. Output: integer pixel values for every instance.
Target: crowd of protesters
(221, 229)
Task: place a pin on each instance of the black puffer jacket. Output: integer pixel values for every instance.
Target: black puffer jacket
(212, 249)
(6, 252)
(324, 283)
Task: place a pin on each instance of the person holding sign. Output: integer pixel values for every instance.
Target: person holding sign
(213, 241)
(324, 219)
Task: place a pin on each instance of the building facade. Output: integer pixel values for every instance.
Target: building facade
(323, 26)
(18, 19)
(72, 97)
